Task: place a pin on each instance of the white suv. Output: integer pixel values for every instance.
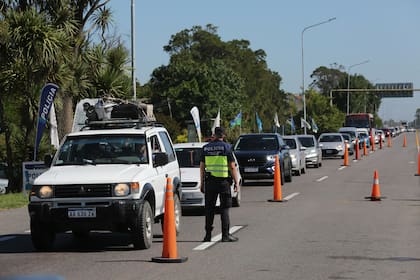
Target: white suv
(109, 177)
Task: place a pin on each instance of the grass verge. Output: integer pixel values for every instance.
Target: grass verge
(13, 200)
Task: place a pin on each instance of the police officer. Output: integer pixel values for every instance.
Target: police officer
(217, 170)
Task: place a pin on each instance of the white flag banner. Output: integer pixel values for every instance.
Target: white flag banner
(276, 120)
(216, 122)
(196, 118)
(304, 123)
(53, 128)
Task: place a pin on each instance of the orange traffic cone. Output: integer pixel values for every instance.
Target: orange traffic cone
(405, 141)
(364, 148)
(346, 155)
(389, 141)
(169, 252)
(418, 165)
(380, 141)
(277, 195)
(376, 193)
(372, 142)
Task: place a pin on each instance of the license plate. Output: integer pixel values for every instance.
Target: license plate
(251, 169)
(329, 152)
(82, 213)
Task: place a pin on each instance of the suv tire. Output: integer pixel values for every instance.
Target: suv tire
(288, 176)
(42, 235)
(142, 233)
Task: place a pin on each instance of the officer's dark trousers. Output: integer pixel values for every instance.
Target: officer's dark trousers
(213, 189)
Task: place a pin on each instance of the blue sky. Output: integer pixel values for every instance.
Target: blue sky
(385, 32)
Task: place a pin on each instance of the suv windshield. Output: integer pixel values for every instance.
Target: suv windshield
(188, 157)
(256, 142)
(103, 149)
(290, 142)
(307, 141)
(3, 172)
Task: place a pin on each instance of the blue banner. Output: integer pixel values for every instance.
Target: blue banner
(47, 99)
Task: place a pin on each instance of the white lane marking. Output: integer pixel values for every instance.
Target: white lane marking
(322, 179)
(355, 160)
(28, 231)
(5, 238)
(342, 167)
(412, 162)
(291, 196)
(215, 239)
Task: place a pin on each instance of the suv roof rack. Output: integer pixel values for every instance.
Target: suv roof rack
(120, 123)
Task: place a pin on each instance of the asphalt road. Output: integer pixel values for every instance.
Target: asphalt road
(326, 230)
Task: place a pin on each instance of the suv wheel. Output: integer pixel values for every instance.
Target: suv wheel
(288, 176)
(142, 232)
(42, 235)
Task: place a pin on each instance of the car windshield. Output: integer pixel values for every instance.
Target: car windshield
(103, 149)
(346, 137)
(330, 138)
(257, 142)
(3, 173)
(307, 141)
(290, 142)
(188, 157)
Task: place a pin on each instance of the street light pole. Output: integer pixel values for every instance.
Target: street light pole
(133, 52)
(348, 83)
(303, 71)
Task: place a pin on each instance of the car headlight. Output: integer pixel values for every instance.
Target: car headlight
(293, 157)
(271, 157)
(121, 189)
(45, 192)
(339, 147)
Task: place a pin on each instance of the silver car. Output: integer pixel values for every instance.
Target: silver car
(313, 153)
(297, 154)
(332, 144)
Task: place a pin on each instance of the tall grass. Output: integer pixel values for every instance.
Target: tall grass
(13, 200)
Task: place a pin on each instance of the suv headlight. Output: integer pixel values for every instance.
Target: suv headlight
(45, 192)
(271, 157)
(121, 189)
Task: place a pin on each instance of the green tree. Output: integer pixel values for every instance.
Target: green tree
(328, 118)
(206, 72)
(32, 53)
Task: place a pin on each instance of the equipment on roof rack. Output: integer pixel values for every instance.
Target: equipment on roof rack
(97, 113)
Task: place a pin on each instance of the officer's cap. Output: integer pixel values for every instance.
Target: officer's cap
(219, 132)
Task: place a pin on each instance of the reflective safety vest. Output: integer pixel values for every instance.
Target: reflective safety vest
(217, 166)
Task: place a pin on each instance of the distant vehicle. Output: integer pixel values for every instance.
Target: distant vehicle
(364, 137)
(297, 153)
(353, 133)
(4, 181)
(350, 145)
(332, 144)
(313, 152)
(189, 155)
(381, 135)
(256, 153)
(387, 131)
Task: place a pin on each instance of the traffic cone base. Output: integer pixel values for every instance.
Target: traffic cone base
(277, 195)
(169, 252)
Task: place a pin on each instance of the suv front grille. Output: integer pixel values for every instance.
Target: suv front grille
(94, 190)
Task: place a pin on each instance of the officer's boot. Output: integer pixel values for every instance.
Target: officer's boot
(207, 237)
(226, 236)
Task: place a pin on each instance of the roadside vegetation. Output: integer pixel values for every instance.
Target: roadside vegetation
(13, 200)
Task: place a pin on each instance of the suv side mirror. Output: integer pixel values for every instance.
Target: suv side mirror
(160, 159)
(47, 160)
